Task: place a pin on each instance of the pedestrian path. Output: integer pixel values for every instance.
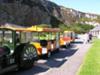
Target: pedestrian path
(71, 66)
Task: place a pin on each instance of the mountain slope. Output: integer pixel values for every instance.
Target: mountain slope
(35, 12)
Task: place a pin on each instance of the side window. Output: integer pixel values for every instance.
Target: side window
(43, 36)
(23, 37)
(57, 40)
(35, 36)
(8, 40)
(8, 36)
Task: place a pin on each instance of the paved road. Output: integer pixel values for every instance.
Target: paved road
(66, 62)
(72, 65)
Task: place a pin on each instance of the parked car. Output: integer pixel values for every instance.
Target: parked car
(79, 38)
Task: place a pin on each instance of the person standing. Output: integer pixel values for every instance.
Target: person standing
(90, 37)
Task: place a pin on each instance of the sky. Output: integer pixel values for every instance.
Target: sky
(88, 6)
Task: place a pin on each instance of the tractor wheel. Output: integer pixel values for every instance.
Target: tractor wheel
(27, 56)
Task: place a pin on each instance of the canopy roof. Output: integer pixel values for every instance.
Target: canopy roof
(68, 31)
(31, 29)
(12, 28)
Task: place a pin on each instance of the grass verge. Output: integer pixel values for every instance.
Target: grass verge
(91, 64)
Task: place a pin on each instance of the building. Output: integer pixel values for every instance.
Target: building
(96, 31)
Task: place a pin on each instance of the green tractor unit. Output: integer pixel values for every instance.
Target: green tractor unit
(15, 51)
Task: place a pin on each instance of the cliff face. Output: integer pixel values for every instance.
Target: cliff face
(23, 12)
(34, 12)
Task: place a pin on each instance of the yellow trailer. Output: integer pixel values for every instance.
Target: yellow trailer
(46, 40)
(66, 38)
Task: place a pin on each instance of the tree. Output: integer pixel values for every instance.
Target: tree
(78, 28)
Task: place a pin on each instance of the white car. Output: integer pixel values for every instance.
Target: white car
(79, 38)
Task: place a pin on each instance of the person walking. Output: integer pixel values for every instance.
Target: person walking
(90, 37)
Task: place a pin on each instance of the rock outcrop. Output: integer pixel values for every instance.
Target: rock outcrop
(34, 12)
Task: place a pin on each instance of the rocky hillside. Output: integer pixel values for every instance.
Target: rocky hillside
(70, 16)
(34, 12)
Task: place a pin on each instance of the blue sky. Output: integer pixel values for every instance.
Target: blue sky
(91, 6)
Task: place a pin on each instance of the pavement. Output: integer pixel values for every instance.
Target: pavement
(73, 64)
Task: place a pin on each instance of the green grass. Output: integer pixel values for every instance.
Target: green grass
(91, 64)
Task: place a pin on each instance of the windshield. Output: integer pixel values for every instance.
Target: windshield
(47, 36)
(6, 39)
(43, 36)
(67, 34)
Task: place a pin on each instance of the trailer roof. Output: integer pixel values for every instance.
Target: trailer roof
(31, 29)
(12, 28)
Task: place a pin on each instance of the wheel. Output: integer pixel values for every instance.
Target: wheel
(27, 56)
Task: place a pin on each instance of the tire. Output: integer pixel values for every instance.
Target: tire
(7, 50)
(26, 56)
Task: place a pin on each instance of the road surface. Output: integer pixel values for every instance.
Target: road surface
(66, 62)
